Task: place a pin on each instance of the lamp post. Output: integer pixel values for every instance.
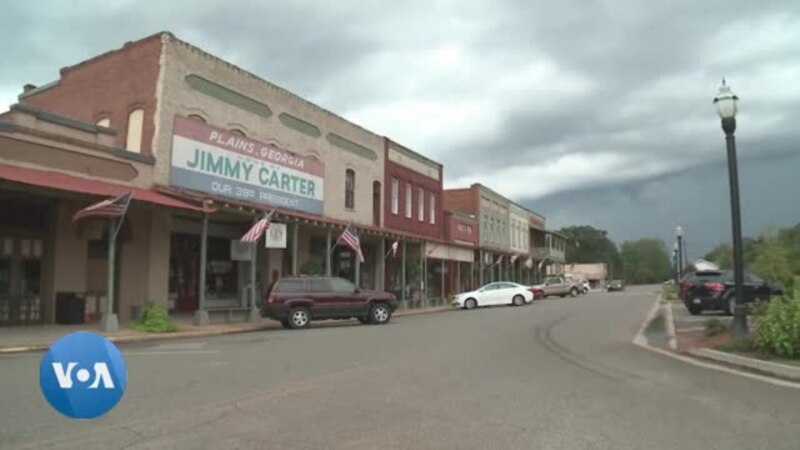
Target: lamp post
(677, 264)
(679, 235)
(727, 105)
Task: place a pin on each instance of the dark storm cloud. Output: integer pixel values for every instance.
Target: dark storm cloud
(561, 105)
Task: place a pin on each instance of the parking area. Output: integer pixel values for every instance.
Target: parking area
(685, 322)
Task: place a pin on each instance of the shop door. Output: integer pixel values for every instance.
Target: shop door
(184, 272)
(20, 280)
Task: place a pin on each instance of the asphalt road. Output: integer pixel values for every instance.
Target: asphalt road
(559, 374)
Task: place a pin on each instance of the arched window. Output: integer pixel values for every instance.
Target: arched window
(350, 189)
(238, 132)
(197, 117)
(134, 135)
(104, 122)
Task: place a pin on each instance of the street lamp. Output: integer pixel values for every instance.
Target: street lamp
(727, 106)
(677, 266)
(679, 234)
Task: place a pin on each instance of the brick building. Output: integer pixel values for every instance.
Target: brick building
(212, 132)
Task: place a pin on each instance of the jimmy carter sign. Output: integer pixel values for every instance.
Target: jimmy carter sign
(219, 162)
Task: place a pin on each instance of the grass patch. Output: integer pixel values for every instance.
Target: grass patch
(155, 319)
(714, 327)
(669, 292)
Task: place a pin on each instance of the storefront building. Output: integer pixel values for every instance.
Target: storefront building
(219, 136)
(518, 239)
(460, 269)
(536, 239)
(413, 204)
(491, 210)
(51, 167)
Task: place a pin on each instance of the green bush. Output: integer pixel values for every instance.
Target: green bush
(778, 328)
(714, 327)
(155, 319)
(311, 267)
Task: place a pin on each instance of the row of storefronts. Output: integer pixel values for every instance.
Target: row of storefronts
(207, 149)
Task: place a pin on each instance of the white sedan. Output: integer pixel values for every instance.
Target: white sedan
(500, 293)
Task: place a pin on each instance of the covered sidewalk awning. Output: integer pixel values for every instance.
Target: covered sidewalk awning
(70, 183)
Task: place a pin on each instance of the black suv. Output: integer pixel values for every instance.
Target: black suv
(713, 290)
(296, 301)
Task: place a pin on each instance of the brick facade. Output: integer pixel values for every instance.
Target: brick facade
(460, 229)
(406, 176)
(110, 86)
(462, 200)
(176, 97)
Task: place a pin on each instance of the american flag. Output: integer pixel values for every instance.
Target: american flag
(514, 258)
(350, 238)
(529, 263)
(254, 233)
(499, 260)
(111, 208)
(395, 244)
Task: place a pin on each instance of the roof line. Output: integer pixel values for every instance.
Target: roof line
(269, 83)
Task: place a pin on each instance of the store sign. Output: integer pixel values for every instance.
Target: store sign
(276, 235)
(218, 162)
(240, 251)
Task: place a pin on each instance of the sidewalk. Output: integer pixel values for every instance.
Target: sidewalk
(17, 339)
(688, 335)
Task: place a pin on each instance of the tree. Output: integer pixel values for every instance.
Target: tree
(587, 245)
(645, 261)
(773, 262)
(721, 255)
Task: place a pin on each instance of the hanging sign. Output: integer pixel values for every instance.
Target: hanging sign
(276, 235)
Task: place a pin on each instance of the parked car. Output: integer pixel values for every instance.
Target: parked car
(296, 301)
(499, 293)
(581, 284)
(714, 290)
(615, 285)
(559, 286)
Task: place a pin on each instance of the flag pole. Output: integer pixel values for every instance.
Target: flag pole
(337, 239)
(110, 321)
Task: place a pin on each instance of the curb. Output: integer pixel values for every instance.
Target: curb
(200, 333)
(765, 367)
(640, 340)
(670, 321)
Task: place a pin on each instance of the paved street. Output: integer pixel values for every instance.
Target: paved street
(560, 374)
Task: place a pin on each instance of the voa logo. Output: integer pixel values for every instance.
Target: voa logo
(83, 375)
(64, 377)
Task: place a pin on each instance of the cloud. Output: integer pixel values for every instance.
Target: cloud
(539, 100)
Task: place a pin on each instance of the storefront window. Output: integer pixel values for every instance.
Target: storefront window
(5, 276)
(222, 274)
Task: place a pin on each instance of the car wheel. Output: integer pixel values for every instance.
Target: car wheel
(573, 292)
(285, 323)
(363, 320)
(730, 305)
(380, 313)
(695, 310)
(299, 318)
(471, 303)
(518, 300)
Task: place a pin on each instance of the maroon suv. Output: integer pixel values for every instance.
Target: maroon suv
(296, 301)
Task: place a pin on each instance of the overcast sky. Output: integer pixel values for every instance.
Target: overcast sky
(590, 112)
